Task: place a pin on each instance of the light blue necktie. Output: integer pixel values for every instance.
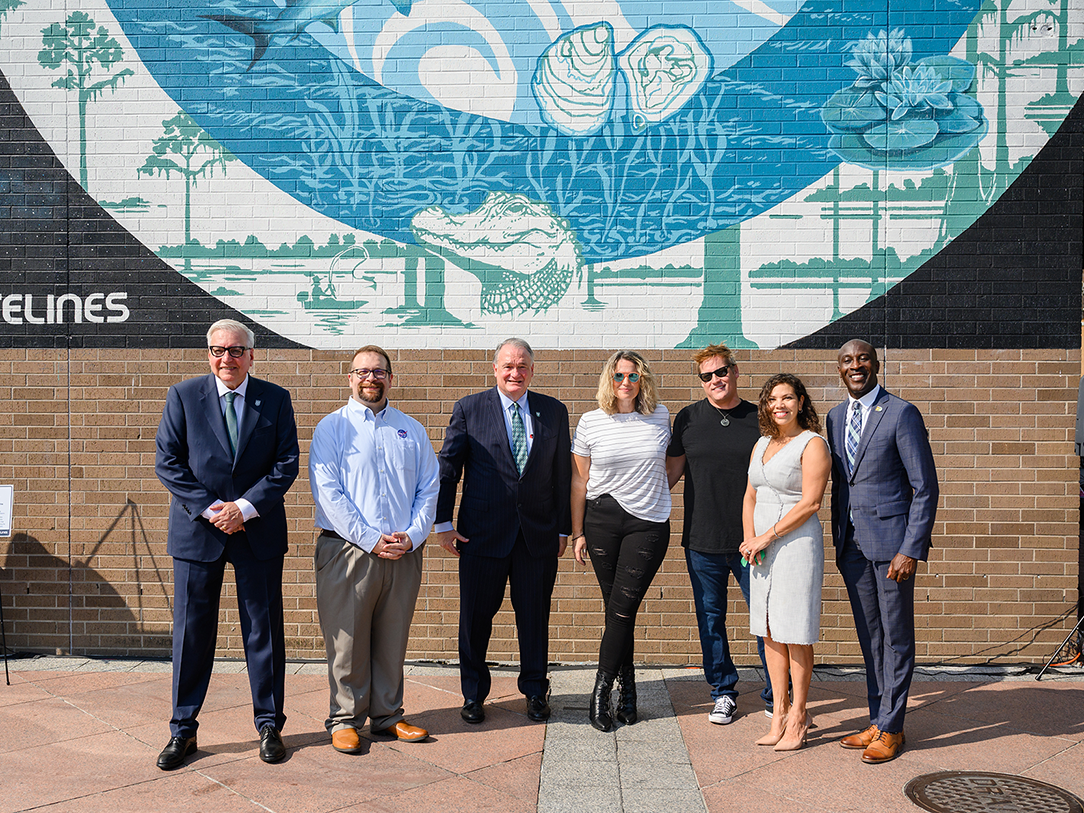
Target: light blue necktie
(519, 438)
(854, 433)
(231, 422)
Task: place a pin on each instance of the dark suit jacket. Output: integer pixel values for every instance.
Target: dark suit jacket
(193, 462)
(892, 494)
(497, 502)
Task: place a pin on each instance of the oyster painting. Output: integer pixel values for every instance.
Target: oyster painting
(447, 172)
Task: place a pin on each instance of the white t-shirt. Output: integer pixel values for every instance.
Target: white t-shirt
(628, 459)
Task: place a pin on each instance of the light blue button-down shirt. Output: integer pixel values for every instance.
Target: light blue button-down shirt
(372, 475)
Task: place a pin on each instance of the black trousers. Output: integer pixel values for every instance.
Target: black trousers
(626, 553)
(482, 581)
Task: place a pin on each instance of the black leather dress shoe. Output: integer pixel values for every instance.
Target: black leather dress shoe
(537, 708)
(271, 747)
(172, 756)
(472, 712)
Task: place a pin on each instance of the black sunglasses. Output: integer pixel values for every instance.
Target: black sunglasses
(721, 372)
(218, 351)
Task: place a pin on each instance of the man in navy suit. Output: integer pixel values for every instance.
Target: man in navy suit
(227, 453)
(513, 451)
(884, 498)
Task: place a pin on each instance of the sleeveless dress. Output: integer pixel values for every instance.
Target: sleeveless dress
(785, 590)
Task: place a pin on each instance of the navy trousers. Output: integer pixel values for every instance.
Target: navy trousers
(884, 618)
(197, 587)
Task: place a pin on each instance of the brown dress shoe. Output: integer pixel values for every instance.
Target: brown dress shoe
(861, 740)
(883, 749)
(346, 741)
(405, 732)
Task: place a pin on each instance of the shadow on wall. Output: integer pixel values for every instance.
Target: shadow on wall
(108, 600)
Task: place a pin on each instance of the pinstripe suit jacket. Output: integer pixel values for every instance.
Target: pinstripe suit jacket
(891, 496)
(497, 502)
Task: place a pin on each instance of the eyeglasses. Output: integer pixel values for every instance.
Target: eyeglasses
(633, 377)
(376, 373)
(218, 351)
(721, 372)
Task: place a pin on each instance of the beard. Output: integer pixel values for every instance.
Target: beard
(372, 394)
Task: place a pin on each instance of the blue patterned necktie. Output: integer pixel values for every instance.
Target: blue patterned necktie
(854, 432)
(231, 422)
(519, 438)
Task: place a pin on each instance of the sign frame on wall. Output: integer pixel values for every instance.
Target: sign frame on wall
(7, 502)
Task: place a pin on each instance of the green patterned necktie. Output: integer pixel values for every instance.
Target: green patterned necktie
(231, 422)
(519, 438)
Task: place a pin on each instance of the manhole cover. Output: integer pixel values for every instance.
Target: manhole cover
(983, 792)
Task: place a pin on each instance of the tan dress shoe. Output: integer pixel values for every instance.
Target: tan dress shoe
(405, 732)
(346, 741)
(861, 740)
(883, 749)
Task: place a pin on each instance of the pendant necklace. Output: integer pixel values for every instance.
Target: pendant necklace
(725, 421)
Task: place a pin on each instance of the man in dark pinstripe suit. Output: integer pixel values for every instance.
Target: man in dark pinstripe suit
(512, 450)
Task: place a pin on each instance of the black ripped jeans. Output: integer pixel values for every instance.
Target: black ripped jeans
(626, 553)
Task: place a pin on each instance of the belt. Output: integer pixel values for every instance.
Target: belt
(332, 534)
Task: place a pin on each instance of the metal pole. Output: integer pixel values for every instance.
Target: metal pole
(1074, 631)
(4, 637)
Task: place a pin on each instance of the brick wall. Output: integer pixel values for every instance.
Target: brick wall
(86, 571)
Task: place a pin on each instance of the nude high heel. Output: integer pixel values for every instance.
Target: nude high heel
(792, 743)
(772, 739)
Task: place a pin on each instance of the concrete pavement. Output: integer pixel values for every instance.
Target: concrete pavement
(83, 734)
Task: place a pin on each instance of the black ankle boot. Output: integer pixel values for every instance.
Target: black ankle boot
(626, 698)
(601, 716)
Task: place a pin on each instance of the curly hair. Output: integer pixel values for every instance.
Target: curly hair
(807, 413)
(648, 397)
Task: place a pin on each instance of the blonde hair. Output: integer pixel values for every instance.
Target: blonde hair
(648, 396)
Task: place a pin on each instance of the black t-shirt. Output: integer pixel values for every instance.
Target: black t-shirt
(716, 472)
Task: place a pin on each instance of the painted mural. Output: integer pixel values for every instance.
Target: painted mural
(446, 172)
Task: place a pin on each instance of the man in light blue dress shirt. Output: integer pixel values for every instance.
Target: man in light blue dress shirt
(373, 475)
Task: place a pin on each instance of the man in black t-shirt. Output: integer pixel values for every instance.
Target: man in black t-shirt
(710, 445)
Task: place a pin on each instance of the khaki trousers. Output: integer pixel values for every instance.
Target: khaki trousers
(366, 605)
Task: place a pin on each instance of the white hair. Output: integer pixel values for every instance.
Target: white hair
(233, 326)
(519, 344)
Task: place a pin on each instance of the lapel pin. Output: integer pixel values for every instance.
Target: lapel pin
(875, 409)
(258, 403)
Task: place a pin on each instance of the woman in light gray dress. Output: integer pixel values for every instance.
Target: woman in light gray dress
(784, 546)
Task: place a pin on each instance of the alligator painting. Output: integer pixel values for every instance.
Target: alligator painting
(524, 255)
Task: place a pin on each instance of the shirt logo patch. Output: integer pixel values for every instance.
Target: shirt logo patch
(403, 434)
